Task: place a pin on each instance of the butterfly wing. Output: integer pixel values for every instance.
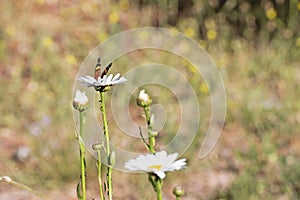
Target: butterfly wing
(98, 68)
(106, 70)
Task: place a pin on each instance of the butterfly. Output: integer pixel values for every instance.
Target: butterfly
(98, 69)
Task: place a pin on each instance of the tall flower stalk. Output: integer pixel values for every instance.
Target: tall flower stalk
(82, 156)
(155, 163)
(97, 147)
(107, 146)
(151, 134)
(101, 83)
(81, 103)
(145, 101)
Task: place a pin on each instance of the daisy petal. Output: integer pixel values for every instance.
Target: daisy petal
(109, 78)
(116, 77)
(160, 174)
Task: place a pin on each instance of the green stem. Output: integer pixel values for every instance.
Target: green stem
(99, 164)
(158, 189)
(155, 180)
(109, 180)
(23, 187)
(150, 134)
(109, 169)
(157, 185)
(82, 156)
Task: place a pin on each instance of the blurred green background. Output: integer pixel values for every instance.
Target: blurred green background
(255, 44)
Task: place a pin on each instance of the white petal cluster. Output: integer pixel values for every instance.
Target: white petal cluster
(157, 163)
(143, 99)
(143, 96)
(102, 82)
(80, 98)
(5, 179)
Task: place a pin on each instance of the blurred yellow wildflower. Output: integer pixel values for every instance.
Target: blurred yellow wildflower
(298, 41)
(172, 28)
(203, 44)
(190, 32)
(192, 69)
(298, 5)
(221, 63)
(113, 17)
(47, 42)
(71, 59)
(211, 34)
(36, 67)
(10, 31)
(203, 88)
(102, 36)
(41, 2)
(271, 13)
(124, 5)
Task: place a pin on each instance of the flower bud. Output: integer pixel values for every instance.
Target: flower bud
(143, 99)
(6, 179)
(97, 146)
(154, 133)
(178, 191)
(81, 101)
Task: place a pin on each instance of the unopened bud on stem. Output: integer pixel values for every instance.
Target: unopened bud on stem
(143, 99)
(178, 191)
(81, 101)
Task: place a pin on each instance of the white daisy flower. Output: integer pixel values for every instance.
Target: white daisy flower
(157, 163)
(102, 82)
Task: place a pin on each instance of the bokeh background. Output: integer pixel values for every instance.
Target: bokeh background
(255, 44)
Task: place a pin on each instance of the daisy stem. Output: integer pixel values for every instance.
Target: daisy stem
(157, 184)
(158, 189)
(99, 164)
(82, 155)
(150, 134)
(109, 168)
(155, 181)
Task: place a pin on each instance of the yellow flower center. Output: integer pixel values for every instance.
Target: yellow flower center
(157, 167)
